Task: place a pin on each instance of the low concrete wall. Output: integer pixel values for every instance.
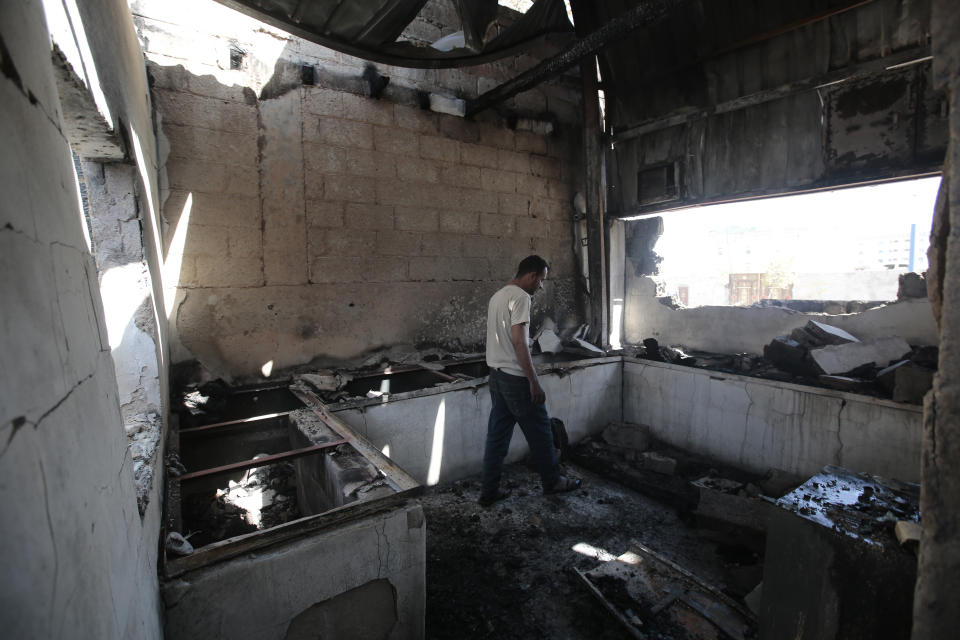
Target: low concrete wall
(273, 594)
(759, 424)
(438, 434)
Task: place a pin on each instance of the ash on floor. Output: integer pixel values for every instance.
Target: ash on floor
(264, 497)
(505, 571)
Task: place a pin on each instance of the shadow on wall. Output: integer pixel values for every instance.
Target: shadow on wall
(315, 225)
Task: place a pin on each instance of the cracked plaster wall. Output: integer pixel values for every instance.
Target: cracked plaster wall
(77, 559)
(321, 224)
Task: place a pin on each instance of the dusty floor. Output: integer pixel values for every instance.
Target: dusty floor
(505, 571)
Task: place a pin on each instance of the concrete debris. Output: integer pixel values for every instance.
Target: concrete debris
(177, 544)
(826, 334)
(549, 342)
(583, 344)
(325, 380)
(911, 383)
(845, 357)
(658, 463)
(789, 355)
(627, 435)
(908, 532)
(912, 285)
(886, 378)
(845, 383)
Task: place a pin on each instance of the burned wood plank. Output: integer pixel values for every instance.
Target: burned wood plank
(596, 229)
(260, 462)
(644, 14)
(401, 480)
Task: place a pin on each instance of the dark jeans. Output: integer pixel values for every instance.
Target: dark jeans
(512, 405)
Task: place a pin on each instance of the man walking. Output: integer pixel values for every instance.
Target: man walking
(514, 387)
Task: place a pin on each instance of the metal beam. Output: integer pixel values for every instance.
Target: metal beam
(260, 462)
(645, 14)
(233, 423)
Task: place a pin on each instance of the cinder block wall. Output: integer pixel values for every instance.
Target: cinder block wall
(313, 223)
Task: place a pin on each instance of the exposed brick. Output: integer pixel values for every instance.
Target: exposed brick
(370, 163)
(513, 161)
(244, 242)
(437, 148)
(532, 185)
(446, 269)
(381, 269)
(478, 155)
(391, 242)
(350, 189)
(326, 269)
(493, 224)
(515, 204)
(416, 219)
(461, 176)
(367, 110)
(323, 102)
(530, 142)
(459, 129)
(178, 107)
(222, 147)
(473, 200)
(496, 180)
(441, 244)
(545, 166)
(339, 133)
(394, 140)
(415, 119)
(207, 177)
(341, 242)
(368, 216)
(417, 169)
(459, 222)
(325, 215)
(323, 159)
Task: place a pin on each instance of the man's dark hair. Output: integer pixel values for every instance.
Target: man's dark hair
(534, 264)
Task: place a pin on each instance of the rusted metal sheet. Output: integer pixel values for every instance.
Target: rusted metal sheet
(260, 462)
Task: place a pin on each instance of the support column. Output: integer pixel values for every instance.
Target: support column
(596, 228)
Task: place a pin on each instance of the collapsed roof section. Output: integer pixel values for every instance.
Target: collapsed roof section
(370, 29)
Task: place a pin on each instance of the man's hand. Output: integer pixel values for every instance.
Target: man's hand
(536, 393)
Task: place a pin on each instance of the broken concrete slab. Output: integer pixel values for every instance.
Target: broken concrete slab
(912, 285)
(828, 334)
(658, 463)
(627, 435)
(845, 383)
(842, 358)
(549, 342)
(886, 378)
(788, 354)
(911, 383)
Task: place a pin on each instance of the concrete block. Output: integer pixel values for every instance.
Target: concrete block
(336, 270)
(474, 200)
(415, 119)
(911, 383)
(223, 147)
(394, 140)
(397, 243)
(341, 242)
(441, 244)
(368, 216)
(418, 170)
(544, 166)
(356, 107)
(827, 334)
(787, 354)
(321, 159)
(461, 176)
(443, 269)
(912, 285)
(213, 177)
(354, 189)
(447, 105)
(373, 164)
(338, 132)
(478, 155)
(416, 219)
(886, 377)
(492, 224)
(496, 180)
(438, 148)
(531, 185)
(221, 271)
(178, 107)
(325, 215)
(385, 269)
(456, 128)
(527, 226)
(496, 136)
(323, 102)
(843, 358)
(514, 204)
(530, 142)
(658, 463)
(203, 240)
(463, 222)
(513, 161)
(627, 436)
(244, 242)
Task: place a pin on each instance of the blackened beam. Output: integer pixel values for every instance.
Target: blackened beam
(643, 15)
(866, 69)
(260, 462)
(253, 421)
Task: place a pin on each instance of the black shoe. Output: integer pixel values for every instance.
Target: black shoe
(486, 501)
(563, 485)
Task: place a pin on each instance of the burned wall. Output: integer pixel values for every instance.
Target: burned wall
(750, 101)
(311, 222)
(78, 557)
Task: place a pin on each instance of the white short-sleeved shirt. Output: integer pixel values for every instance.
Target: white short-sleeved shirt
(508, 306)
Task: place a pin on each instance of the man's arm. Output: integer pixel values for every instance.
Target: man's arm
(518, 335)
